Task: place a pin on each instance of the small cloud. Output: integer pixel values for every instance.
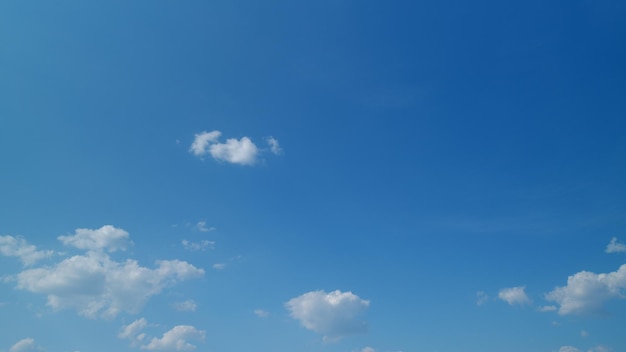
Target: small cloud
(133, 331)
(201, 226)
(274, 145)
(107, 237)
(18, 247)
(186, 306)
(514, 295)
(584, 333)
(176, 339)
(198, 246)
(481, 298)
(599, 348)
(261, 313)
(368, 349)
(219, 266)
(556, 323)
(568, 349)
(334, 314)
(548, 309)
(202, 140)
(25, 345)
(615, 247)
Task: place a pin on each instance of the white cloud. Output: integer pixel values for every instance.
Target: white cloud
(274, 145)
(186, 306)
(586, 292)
(548, 309)
(133, 332)
(615, 247)
(107, 237)
(261, 313)
(201, 226)
(198, 246)
(368, 349)
(25, 345)
(18, 247)
(599, 349)
(219, 266)
(176, 339)
(481, 298)
(237, 151)
(95, 285)
(514, 295)
(568, 349)
(202, 140)
(333, 314)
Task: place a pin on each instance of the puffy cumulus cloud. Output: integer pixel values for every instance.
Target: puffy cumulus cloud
(186, 306)
(235, 151)
(198, 246)
(586, 292)
(105, 238)
(514, 295)
(95, 285)
(274, 145)
(176, 339)
(333, 314)
(18, 247)
(615, 247)
(25, 345)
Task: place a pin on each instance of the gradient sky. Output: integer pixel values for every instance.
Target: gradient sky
(336, 176)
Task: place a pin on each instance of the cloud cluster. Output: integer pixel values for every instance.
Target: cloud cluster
(514, 295)
(334, 314)
(236, 151)
(587, 292)
(96, 285)
(198, 246)
(18, 247)
(176, 339)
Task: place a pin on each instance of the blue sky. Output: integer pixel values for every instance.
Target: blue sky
(337, 176)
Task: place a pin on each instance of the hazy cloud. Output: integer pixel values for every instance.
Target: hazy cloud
(274, 145)
(261, 313)
(186, 306)
(25, 345)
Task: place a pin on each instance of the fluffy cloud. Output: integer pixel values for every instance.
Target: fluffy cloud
(176, 339)
(514, 295)
(236, 151)
(586, 292)
(107, 237)
(95, 285)
(201, 226)
(18, 247)
(186, 306)
(198, 246)
(25, 345)
(615, 247)
(333, 314)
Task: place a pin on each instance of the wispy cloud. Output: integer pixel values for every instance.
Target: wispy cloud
(261, 313)
(274, 145)
(186, 306)
(615, 247)
(481, 298)
(25, 345)
(198, 246)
